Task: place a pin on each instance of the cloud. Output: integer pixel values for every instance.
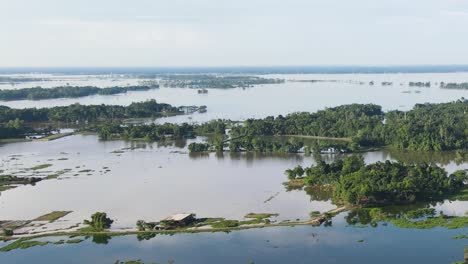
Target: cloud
(216, 33)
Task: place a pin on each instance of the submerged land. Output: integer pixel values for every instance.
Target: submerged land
(389, 190)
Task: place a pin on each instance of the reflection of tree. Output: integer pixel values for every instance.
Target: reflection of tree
(101, 239)
(440, 157)
(358, 216)
(145, 236)
(319, 193)
(366, 216)
(200, 155)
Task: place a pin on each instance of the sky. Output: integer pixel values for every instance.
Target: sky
(174, 33)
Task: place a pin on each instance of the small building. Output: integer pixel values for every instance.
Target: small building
(34, 136)
(178, 220)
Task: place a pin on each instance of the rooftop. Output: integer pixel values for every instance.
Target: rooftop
(177, 217)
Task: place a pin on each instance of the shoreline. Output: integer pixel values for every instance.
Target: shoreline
(315, 221)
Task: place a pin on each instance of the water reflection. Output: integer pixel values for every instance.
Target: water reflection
(301, 244)
(144, 176)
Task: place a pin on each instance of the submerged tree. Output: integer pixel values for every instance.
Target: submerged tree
(99, 221)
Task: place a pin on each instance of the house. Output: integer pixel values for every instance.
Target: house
(178, 220)
(34, 136)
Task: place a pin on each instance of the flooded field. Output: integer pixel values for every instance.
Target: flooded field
(132, 180)
(265, 100)
(139, 180)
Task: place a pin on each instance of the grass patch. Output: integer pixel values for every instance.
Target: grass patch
(260, 216)
(40, 167)
(225, 224)
(52, 176)
(74, 241)
(360, 241)
(460, 237)
(295, 184)
(22, 244)
(52, 216)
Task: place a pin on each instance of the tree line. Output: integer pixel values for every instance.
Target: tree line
(39, 93)
(427, 126)
(382, 182)
(90, 113)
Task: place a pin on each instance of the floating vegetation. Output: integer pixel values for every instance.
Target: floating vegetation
(40, 167)
(23, 244)
(52, 216)
(260, 215)
(74, 241)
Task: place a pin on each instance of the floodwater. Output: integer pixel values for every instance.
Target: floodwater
(301, 244)
(139, 180)
(276, 99)
(151, 181)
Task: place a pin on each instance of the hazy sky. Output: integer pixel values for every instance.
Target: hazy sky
(232, 32)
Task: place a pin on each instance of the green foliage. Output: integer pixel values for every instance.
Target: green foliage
(394, 182)
(198, 147)
(14, 129)
(10, 181)
(264, 145)
(212, 127)
(40, 167)
(52, 216)
(382, 182)
(39, 93)
(225, 224)
(260, 215)
(365, 216)
(22, 244)
(90, 113)
(74, 241)
(426, 127)
(418, 213)
(292, 174)
(429, 127)
(152, 132)
(341, 121)
(99, 221)
(198, 81)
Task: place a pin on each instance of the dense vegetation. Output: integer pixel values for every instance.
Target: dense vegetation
(14, 129)
(214, 81)
(90, 113)
(426, 127)
(429, 127)
(39, 93)
(152, 132)
(99, 221)
(381, 182)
